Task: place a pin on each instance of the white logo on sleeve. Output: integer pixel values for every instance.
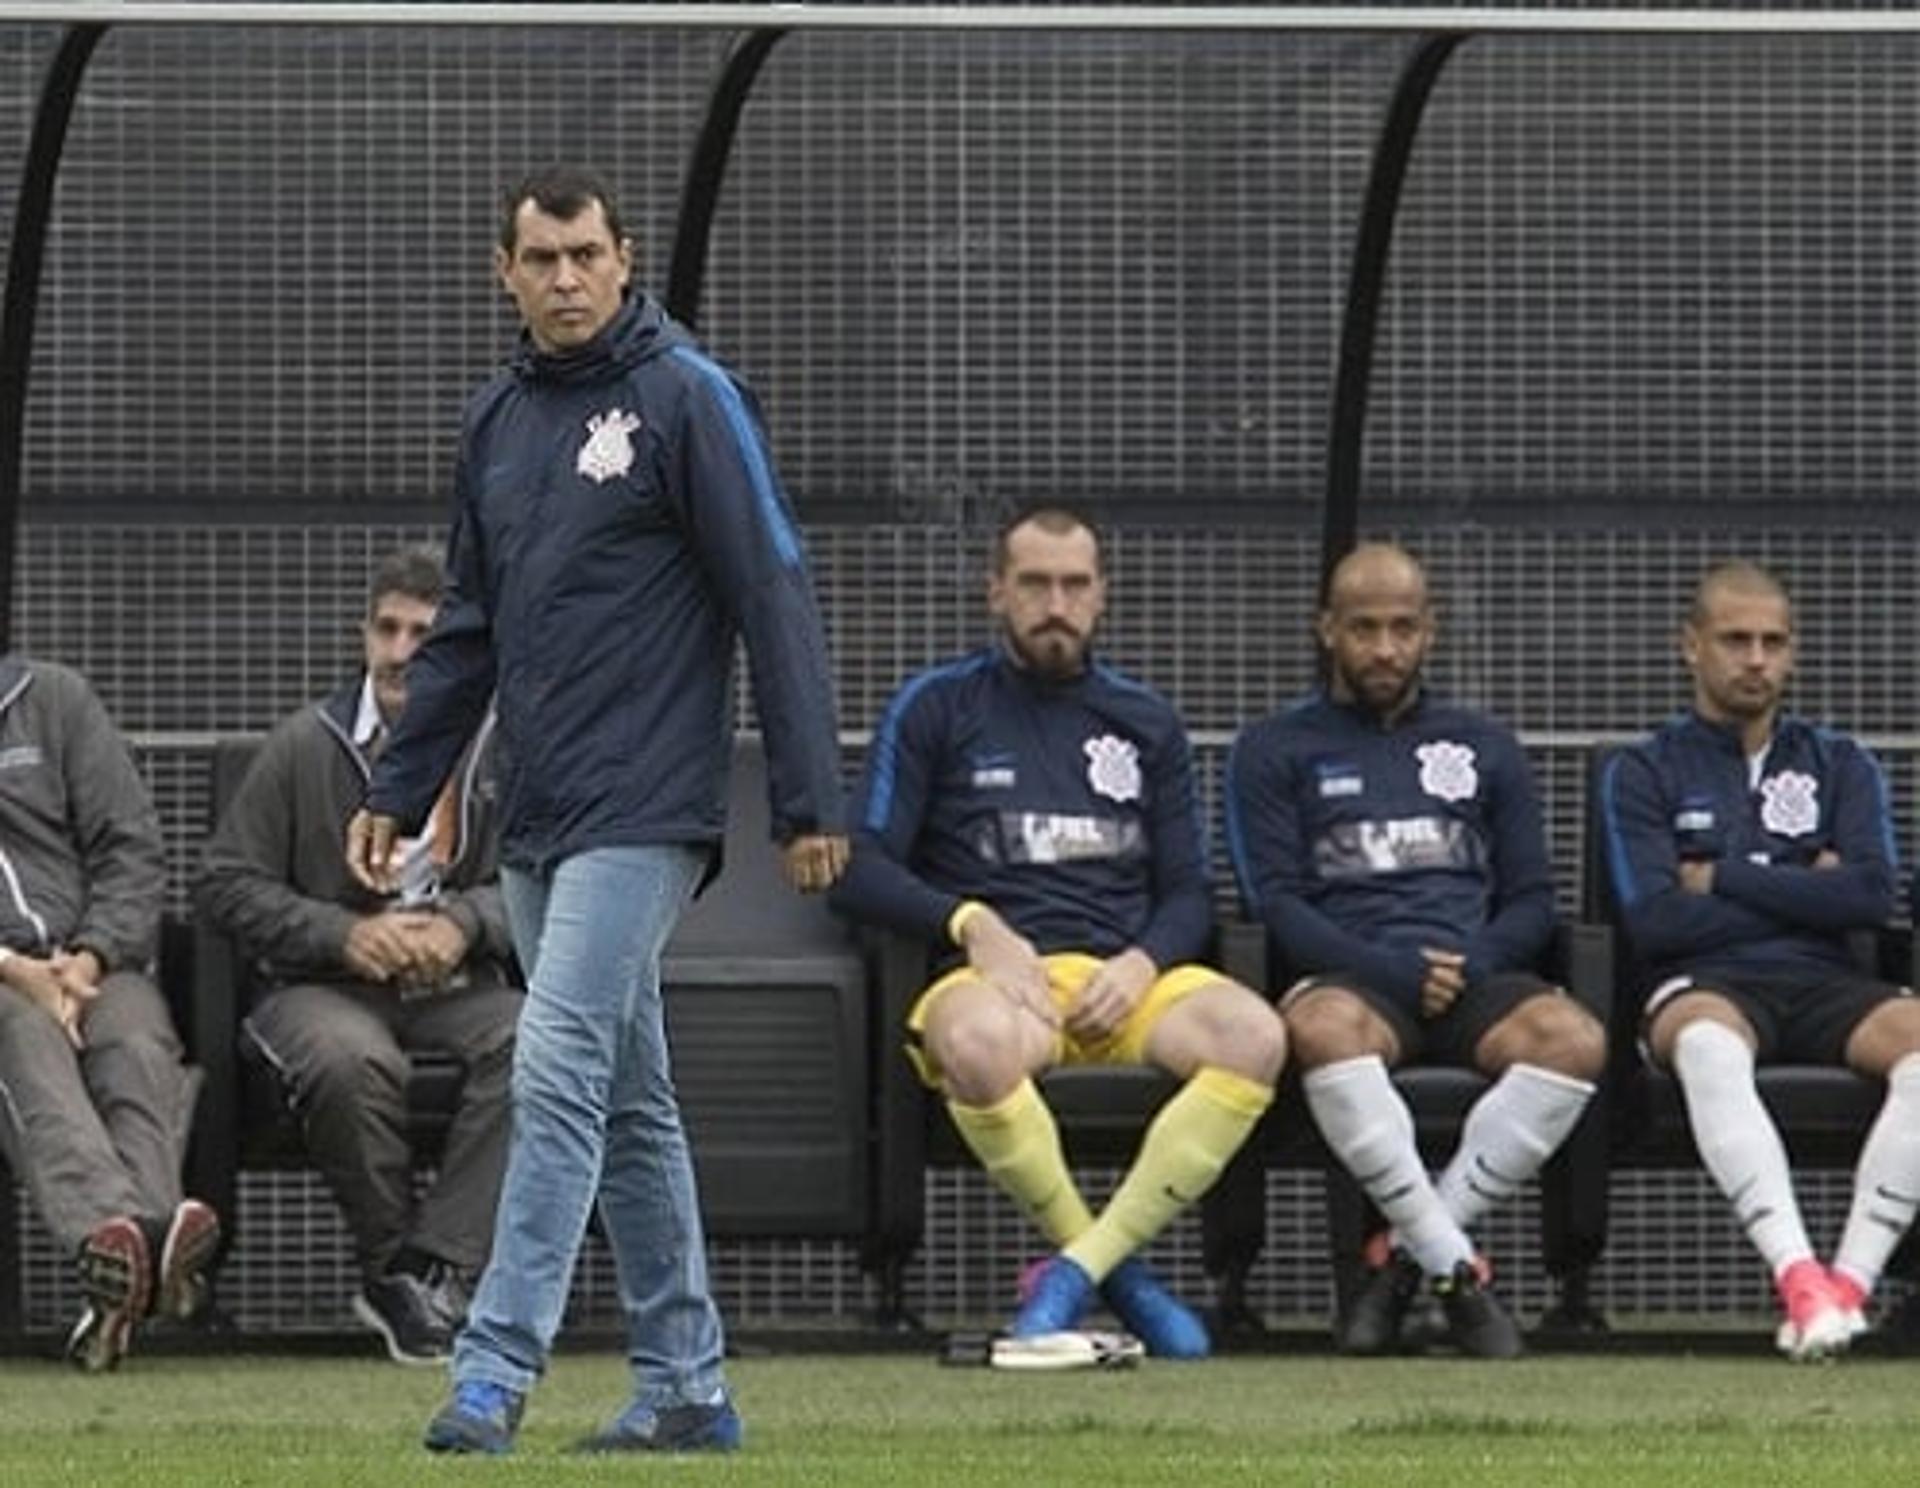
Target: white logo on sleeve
(1113, 768)
(1790, 804)
(1446, 770)
(608, 451)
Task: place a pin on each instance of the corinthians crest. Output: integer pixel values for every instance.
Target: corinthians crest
(608, 451)
(1113, 768)
(1446, 770)
(1790, 803)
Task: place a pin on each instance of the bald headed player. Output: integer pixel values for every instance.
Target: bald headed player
(1391, 844)
(1744, 845)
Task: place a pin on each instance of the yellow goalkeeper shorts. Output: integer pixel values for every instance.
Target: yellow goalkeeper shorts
(1067, 973)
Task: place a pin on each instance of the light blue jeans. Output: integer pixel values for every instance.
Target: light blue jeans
(594, 1113)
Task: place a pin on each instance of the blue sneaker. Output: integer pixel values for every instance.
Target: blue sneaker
(679, 1428)
(1167, 1326)
(481, 1417)
(1058, 1295)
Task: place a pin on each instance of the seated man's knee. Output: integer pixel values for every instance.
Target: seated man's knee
(975, 1042)
(1553, 1032)
(347, 1068)
(1329, 1024)
(1246, 1035)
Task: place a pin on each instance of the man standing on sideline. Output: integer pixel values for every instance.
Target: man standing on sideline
(95, 1106)
(1032, 810)
(1391, 844)
(349, 981)
(1745, 844)
(617, 524)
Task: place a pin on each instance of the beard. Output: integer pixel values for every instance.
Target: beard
(1380, 692)
(1053, 651)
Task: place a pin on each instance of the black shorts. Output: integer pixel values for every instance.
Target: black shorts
(1800, 1017)
(1450, 1038)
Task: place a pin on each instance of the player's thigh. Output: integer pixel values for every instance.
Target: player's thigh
(1329, 1019)
(1543, 1026)
(1214, 1021)
(1885, 1035)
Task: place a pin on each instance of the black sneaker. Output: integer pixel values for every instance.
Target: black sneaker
(401, 1308)
(1476, 1321)
(449, 1296)
(1372, 1322)
(116, 1276)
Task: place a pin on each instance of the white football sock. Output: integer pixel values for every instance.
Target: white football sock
(1886, 1185)
(1738, 1143)
(1511, 1130)
(1368, 1127)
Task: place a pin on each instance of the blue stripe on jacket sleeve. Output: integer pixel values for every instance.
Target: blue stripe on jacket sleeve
(753, 454)
(1625, 889)
(886, 743)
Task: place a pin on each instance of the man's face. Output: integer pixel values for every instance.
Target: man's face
(1376, 635)
(567, 277)
(1049, 595)
(393, 632)
(1740, 651)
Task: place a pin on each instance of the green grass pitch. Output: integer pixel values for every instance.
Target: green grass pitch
(901, 1419)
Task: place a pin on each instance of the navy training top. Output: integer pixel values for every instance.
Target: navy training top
(1687, 791)
(1357, 845)
(1068, 806)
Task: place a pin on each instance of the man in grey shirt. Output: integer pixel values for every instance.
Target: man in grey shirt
(95, 1104)
(349, 981)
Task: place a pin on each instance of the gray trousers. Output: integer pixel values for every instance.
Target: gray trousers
(101, 1131)
(341, 1053)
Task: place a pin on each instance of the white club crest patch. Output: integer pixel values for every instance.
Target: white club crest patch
(608, 451)
(1790, 803)
(1113, 768)
(1447, 771)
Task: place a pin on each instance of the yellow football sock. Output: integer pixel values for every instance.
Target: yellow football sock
(1019, 1146)
(1184, 1150)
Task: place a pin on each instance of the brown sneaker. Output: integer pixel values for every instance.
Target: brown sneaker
(116, 1274)
(193, 1236)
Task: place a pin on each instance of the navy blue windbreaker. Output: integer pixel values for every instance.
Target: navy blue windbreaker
(616, 523)
(1067, 806)
(1357, 845)
(1684, 792)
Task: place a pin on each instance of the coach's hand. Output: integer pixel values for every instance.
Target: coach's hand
(814, 861)
(1111, 994)
(371, 843)
(1002, 957)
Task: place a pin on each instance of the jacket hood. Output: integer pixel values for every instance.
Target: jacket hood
(639, 331)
